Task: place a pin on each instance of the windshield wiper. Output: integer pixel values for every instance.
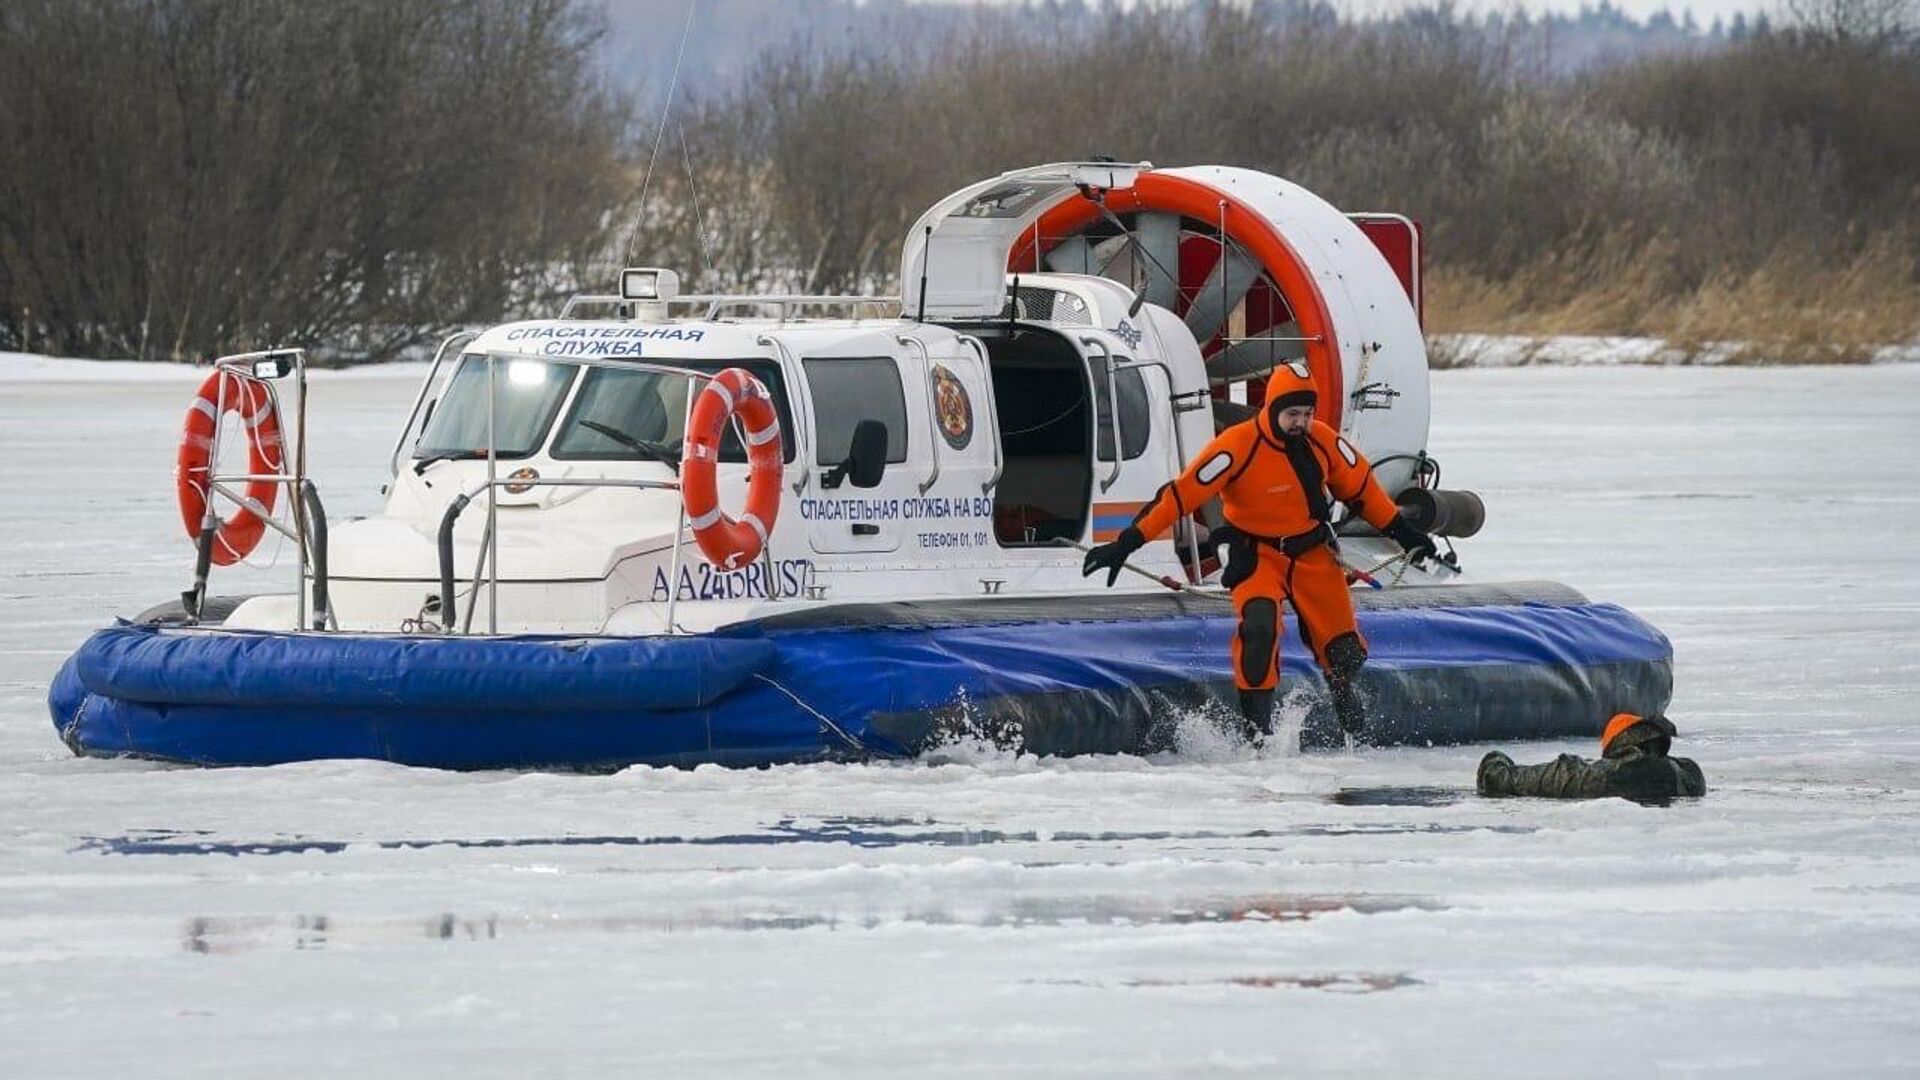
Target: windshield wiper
(428, 462)
(653, 451)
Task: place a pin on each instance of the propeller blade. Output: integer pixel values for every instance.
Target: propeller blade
(1228, 413)
(1107, 253)
(1074, 255)
(1159, 237)
(1077, 255)
(1255, 357)
(1223, 290)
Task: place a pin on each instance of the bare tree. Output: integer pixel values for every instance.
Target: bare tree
(1855, 20)
(184, 176)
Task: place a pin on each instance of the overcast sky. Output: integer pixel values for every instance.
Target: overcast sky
(1703, 10)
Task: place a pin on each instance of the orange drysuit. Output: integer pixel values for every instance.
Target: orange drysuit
(1273, 488)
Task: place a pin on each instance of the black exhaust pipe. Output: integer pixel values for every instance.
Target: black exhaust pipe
(1440, 512)
(447, 521)
(317, 522)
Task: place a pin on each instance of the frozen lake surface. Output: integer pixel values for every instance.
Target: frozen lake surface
(984, 915)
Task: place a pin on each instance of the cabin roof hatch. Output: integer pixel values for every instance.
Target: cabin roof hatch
(954, 262)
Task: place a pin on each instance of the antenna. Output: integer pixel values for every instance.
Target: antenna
(666, 109)
(693, 188)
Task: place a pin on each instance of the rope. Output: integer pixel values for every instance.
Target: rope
(856, 744)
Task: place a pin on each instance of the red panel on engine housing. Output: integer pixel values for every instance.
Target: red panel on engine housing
(1403, 241)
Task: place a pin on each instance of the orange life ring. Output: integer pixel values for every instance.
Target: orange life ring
(727, 542)
(250, 398)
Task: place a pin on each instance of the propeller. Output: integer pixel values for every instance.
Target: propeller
(1255, 357)
(1077, 255)
(1232, 276)
(1158, 236)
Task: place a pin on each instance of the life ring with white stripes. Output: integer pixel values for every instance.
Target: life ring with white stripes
(728, 542)
(239, 534)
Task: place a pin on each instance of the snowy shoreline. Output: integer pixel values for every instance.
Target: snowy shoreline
(1448, 352)
(34, 367)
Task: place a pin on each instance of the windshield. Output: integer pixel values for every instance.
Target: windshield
(628, 415)
(526, 394)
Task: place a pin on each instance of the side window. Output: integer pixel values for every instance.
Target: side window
(1136, 417)
(846, 392)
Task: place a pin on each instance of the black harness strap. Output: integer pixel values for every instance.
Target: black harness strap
(1313, 485)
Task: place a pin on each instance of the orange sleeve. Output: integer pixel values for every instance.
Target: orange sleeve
(1350, 478)
(1205, 475)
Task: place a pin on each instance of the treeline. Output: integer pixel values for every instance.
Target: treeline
(730, 34)
(180, 177)
(1768, 190)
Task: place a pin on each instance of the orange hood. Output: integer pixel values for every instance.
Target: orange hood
(1289, 380)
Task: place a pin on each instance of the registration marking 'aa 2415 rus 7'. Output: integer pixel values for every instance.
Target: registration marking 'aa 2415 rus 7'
(704, 581)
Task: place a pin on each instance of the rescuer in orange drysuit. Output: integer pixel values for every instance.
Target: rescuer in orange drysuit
(1273, 473)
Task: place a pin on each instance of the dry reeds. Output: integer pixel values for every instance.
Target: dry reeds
(1796, 309)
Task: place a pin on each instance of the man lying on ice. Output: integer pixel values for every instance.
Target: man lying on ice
(1633, 765)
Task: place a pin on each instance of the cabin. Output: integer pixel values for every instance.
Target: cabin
(1067, 338)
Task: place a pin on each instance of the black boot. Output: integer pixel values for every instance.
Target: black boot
(1348, 706)
(1256, 714)
(1345, 657)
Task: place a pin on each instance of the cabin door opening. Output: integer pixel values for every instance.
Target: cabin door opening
(1045, 407)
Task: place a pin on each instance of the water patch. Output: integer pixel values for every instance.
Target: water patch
(1398, 796)
(228, 935)
(851, 832)
(1351, 982)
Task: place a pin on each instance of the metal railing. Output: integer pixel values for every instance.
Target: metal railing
(449, 608)
(933, 407)
(309, 530)
(1113, 412)
(718, 302)
(1179, 447)
(419, 399)
(993, 412)
(803, 452)
(488, 556)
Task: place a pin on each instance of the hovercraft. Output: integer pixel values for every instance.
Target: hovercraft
(679, 529)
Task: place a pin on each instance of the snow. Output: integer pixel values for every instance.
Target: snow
(1219, 913)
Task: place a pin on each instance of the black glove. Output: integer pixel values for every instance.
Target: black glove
(1111, 557)
(1418, 545)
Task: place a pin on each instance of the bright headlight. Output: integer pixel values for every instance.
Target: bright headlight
(526, 373)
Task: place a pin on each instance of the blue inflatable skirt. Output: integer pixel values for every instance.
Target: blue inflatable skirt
(1116, 674)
